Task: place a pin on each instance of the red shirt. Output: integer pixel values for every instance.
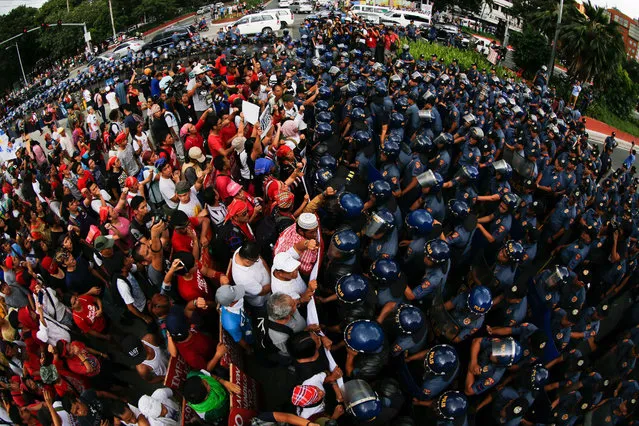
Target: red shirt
(181, 242)
(87, 319)
(195, 287)
(228, 132)
(221, 183)
(78, 367)
(215, 144)
(198, 350)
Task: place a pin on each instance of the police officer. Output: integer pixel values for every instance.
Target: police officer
(503, 272)
(367, 349)
(432, 199)
(341, 255)
(467, 311)
(361, 401)
(419, 226)
(440, 368)
(532, 340)
(356, 300)
(390, 280)
(449, 409)
(437, 261)
(498, 224)
(489, 359)
(383, 234)
(463, 183)
(511, 306)
(405, 328)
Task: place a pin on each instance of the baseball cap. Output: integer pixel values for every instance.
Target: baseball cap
(133, 348)
(49, 264)
(227, 294)
(195, 153)
(103, 243)
(263, 166)
(155, 109)
(177, 324)
(285, 262)
(182, 187)
(179, 219)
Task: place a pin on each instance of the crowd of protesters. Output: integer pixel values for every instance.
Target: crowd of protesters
(392, 240)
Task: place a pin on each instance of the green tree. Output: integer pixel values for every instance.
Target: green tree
(591, 45)
(160, 9)
(531, 49)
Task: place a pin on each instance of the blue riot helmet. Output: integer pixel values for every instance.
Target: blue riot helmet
(357, 114)
(324, 117)
(476, 133)
(430, 179)
(342, 78)
(391, 148)
(323, 131)
(352, 90)
(397, 120)
(505, 351)
(364, 336)
(324, 92)
(360, 401)
(441, 359)
(358, 102)
(409, 318)
(422, 144)
(322, 177)
(437, 251)
(401, 104)
(381, 221)
(350, 204)
(385, 270)
(380, 189)
(321, 105)
(300, 52)
(469, 172)
(452, 405)
(443, 140)
(511, 200)
(458, 208)
(344, 243)
(514, 251)
(380, 88)
(351, 288)
(362, 138)
(503, 168)
(327, 161)
(479, 300)
(539, 376)
(419, 222)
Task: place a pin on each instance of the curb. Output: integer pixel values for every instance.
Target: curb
(601, 127)
(168, 24)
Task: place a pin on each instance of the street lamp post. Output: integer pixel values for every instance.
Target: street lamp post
(19, 60)
(112, 21)
(551, 66)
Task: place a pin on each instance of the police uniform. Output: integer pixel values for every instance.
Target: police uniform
(491, 374)
(433, 280)
(468, 322)
(391, 174)
(500, 226)
(504, 275)
(388, 245)
(441, 162)
(501, 399)
(574, 253)
(470, 155)
(564, 412)
(515, 312)
(560, 332)
(459, 240)
(523, 331)
(434, 204)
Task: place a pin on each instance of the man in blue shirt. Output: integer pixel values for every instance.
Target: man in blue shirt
(234, 319)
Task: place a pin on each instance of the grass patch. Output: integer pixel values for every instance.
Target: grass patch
(465, 57)
(629, 125)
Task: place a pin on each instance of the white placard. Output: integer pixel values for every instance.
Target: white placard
(251, 112)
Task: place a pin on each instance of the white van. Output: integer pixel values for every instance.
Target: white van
(356, 8)
(404, 17)
(301, 6)
(258, 22)
(284, 15)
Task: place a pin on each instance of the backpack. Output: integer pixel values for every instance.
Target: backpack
(264, 348)
(268, 230)
(113, 303)
(112, 133)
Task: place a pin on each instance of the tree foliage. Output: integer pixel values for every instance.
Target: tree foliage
(465, 5)
(531, 49)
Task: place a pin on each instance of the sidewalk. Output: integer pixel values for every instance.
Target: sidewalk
(593, 125)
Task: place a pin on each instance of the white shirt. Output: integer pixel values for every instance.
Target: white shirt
(253, 278)
(193, 207)
(86, 95)
(164, 397)
(167, 189)
(199, 102)
(172, 122)
(132, 295)
(96, 203)
(112, 99)
(316, 380)
(294, 288)
(92, 121)
(67, 144)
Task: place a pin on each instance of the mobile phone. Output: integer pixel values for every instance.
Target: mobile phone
(41, 297)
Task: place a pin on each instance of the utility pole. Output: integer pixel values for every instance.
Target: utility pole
(19, 60)
(551, 66)
(112, 21)
(68, 8)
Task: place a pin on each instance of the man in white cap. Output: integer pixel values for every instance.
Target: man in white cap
(304, 240)
(285, 278)
(233, 317)
(160, 409)
(198, 89)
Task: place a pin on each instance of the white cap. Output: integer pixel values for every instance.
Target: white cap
(307, 221)
(285, 262)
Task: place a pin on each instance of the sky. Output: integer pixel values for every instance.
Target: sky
(629, 7)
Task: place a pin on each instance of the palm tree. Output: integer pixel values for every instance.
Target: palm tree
(542, 14)
(591, 44)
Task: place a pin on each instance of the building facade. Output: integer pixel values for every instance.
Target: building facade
(629, 29)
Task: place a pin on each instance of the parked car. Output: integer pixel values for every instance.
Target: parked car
(285, 16)
(366, 8)
(371, 17)
(203, 10)
(258, 22)
(122, 49)
(445, 31)
(165, 37)
(404, 17)
(284, 3)
(301, 6)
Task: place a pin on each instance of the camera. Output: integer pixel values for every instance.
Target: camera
(159, 217)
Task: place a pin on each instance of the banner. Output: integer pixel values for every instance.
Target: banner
(266, 120)
(233, 353)
(8, 149)
(176, 373)
(427, 9)
(244, 406)
(493, 56)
